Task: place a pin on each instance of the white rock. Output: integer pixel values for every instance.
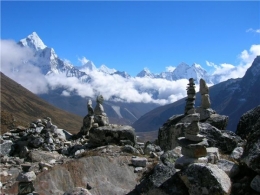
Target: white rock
(138, 169)
(237, 153)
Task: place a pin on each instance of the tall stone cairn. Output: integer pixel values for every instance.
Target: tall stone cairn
(193, 144)
(190, 101)
(204, 91)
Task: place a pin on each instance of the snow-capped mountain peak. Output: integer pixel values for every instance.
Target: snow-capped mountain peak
(105, 69)
(89, 65)
(145, 73)
(33, 41)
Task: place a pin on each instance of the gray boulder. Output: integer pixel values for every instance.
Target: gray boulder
(5, 147)
(42, 156)
(225, 140)
(170, 132)
(249, 128)
(170, 156)
(26, 176)
(230, 168)
(218, 121)
(255, 183)
(130, 149)
(206, 179)
(112, 134)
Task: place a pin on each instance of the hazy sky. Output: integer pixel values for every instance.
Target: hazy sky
(132, 35)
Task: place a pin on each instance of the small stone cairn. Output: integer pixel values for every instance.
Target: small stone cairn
(94, 118)
(204, 91)
(190, 101)
(25, 178)
(100, 117)
(193, 144)
(88, 120)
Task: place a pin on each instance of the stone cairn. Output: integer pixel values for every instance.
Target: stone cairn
(88, 120)
(190, 101)
(94, 118)
(193, 144)
(25, 178)
(204, 91)
(100, 117)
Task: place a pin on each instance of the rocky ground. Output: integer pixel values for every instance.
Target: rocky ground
(111, 161)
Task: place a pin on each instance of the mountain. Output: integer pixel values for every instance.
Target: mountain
(46, 58)
(145, 73)
(19, 105)
(105, 69)
(232, 98)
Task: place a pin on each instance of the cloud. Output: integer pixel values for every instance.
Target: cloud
(16, 63)
(211, 64)
(253, 30)
(170, 68)
(83, 60)
(226, 71)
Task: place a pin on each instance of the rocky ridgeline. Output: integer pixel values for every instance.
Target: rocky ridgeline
(193, 154)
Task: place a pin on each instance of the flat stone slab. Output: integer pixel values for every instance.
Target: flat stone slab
(195, 138)
(139, 161)
(188, 143)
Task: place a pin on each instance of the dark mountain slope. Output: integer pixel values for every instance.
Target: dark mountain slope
(19, 104)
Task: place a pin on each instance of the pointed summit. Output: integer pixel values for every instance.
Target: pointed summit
(105, 69)
(145, 73)
(33, 41)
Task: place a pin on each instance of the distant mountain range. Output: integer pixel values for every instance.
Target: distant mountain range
(50, 63)
(232, 98)
(128, 98)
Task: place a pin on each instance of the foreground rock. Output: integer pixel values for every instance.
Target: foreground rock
(112, 134)
(206, 179)
(249, 128)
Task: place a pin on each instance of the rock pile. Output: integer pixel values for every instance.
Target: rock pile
(193, 144)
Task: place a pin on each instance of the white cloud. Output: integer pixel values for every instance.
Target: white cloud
(83, 60)
(211, 64)
(253, 30)
(226, 71)
(16, 63)
(170, 68)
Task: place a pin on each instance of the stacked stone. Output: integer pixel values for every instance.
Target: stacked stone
(88, 120)
(190, 101)
(193, 144)
(100, 117)
(25, 178)
(204, 91)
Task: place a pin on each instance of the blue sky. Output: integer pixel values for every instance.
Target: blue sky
(132, 35)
